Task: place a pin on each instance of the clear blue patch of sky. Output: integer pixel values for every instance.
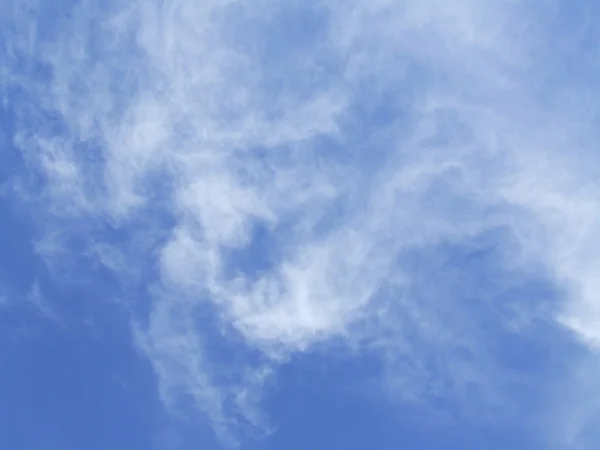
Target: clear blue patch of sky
(66, 388)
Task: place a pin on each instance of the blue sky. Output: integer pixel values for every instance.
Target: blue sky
(299, 224)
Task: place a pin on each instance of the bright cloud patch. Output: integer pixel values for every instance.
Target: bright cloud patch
(268, 179)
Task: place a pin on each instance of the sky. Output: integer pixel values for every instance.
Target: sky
(285, 224)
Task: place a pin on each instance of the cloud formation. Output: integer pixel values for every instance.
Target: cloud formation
(269, 170)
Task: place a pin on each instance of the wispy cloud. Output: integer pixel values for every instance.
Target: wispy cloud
(322, 143)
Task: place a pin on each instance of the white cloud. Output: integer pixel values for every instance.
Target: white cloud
(169, 110)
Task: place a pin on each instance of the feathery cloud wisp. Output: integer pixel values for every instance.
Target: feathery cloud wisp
(271, 164)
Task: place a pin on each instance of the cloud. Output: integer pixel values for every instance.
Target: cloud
(327, 139)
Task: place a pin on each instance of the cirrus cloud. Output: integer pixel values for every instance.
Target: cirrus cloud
(274, 165)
